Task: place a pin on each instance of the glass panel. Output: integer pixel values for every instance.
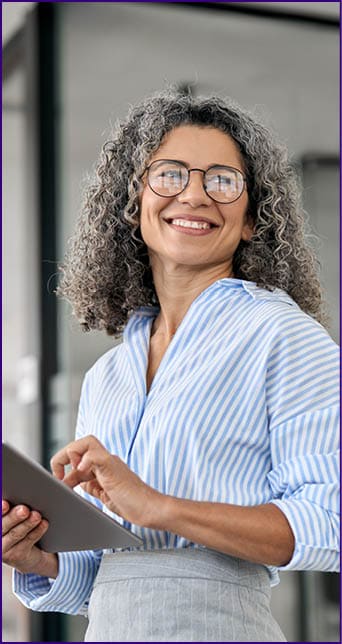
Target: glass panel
(321, 201)
(20, 339)
(111, 55)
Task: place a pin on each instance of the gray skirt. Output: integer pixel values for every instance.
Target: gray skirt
(180, 595)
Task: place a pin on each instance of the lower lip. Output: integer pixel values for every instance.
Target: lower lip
(197, 232)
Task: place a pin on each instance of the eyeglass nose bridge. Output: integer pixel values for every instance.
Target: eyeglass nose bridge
(196, 170)
(188, 179)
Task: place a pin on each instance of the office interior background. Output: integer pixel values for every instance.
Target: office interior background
(69, 71)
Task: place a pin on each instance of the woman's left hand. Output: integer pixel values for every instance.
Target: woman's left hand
(107, 478)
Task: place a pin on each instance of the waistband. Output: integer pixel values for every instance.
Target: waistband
(194, 563)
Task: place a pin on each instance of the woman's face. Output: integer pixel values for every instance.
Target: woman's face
(174, 244)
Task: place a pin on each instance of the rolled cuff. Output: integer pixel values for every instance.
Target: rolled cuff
(316, 538)
(54, 595)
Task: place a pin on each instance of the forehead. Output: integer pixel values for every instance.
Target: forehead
(199, 145)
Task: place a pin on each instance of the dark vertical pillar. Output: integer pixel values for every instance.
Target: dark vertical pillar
(47, 150)
(41, 61)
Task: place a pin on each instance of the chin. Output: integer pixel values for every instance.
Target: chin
(184, 261)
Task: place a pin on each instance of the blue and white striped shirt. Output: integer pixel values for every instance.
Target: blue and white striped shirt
(243, 409)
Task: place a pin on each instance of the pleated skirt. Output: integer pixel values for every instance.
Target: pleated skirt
(180, 595)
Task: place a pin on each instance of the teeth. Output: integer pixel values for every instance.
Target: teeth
(190, 224)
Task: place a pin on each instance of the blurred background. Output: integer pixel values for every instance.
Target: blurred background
(69, 71)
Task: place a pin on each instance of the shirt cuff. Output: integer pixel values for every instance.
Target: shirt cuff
(46, 594)
(316, 546)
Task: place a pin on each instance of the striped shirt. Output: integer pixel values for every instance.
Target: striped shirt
(243, 409)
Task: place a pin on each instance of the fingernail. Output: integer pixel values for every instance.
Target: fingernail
(35, 516)
(21, 512)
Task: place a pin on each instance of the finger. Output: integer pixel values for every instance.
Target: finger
(60, 460)
(96, 460)
(93, 488)
(5, 507)
(89, 460)
(20, 531)
(67, 456)
(75, 477)
(75, 458)
(15, 516)
(34, 535)
(72, 453)
(19, 552)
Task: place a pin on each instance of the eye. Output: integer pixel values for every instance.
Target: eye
(174, 173)
(167, 174)
(219, 182)
(221, 179)
(224, 181)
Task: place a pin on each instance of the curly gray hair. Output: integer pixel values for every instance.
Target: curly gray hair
(106, 274)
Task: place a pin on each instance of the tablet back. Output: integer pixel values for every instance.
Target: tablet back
(75, 524)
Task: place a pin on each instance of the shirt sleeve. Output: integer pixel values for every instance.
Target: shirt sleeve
(303, 407)
(70, 591)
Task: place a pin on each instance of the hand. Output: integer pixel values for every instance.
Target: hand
(21, 529)
(109, 479)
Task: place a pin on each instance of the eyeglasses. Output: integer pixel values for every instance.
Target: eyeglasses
(168, 178)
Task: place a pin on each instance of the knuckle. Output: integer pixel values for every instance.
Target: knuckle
(33, 535)
(108, 459)
(15, 533)
(19, 556)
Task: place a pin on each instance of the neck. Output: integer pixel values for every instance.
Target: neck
(177, 287)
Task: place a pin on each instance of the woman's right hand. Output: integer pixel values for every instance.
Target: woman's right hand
(21, 530)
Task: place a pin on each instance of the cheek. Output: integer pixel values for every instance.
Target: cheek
(144, 227)
(236, 215)
(144, 214)
(150, 209)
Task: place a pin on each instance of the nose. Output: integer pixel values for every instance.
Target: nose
(194, 193)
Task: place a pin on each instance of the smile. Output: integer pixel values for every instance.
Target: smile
(191, 226)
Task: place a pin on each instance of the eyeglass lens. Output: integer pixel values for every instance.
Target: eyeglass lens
(169, 178)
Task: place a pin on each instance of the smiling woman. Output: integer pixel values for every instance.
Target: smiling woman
(219, 447)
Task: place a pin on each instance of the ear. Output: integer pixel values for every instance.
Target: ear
(248, 228)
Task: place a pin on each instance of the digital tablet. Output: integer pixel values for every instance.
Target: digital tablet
(74, 523)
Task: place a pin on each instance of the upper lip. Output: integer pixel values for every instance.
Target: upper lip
(191, 218)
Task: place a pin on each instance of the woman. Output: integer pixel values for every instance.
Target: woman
(211, 431)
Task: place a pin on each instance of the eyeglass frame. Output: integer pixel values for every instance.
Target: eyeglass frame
(189, 170)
